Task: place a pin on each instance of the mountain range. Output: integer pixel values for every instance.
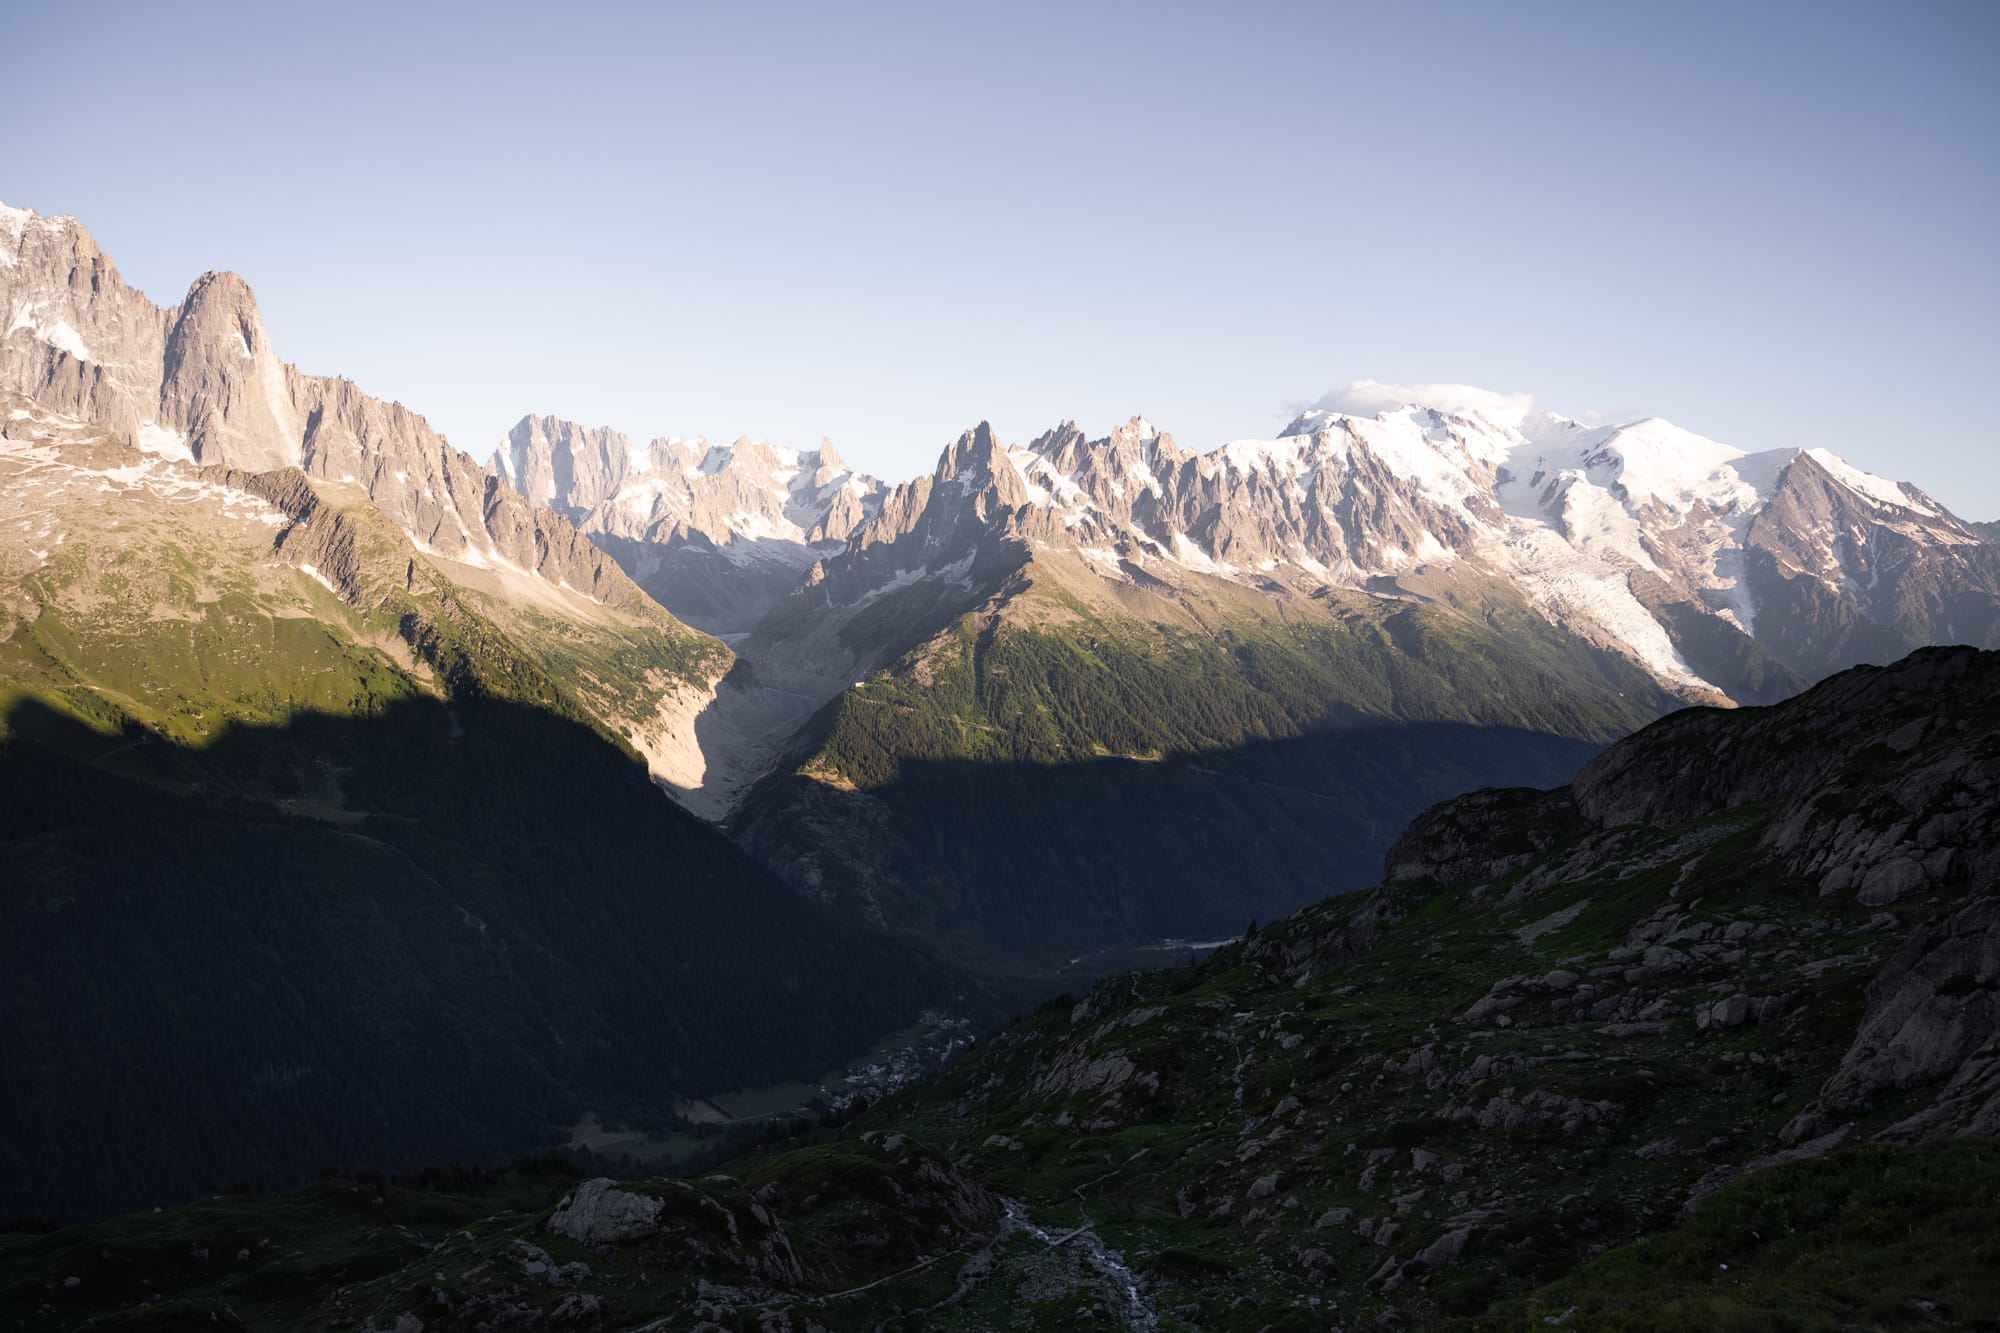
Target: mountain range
(1720, 574)
(1051, 709)
(968, 667)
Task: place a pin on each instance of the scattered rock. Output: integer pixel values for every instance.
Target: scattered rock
(1444, 1250)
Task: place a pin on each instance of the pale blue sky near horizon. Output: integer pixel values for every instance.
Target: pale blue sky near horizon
(1771, 223)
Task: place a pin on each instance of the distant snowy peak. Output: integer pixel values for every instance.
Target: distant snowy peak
(1630, 535)
(714, 532)
(21, 228)
(749, 489)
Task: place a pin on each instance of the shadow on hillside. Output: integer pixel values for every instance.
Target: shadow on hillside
(1025, 871)
(422, 935)
(717, 591)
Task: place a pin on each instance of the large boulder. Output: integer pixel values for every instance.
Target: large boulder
(598, 1211)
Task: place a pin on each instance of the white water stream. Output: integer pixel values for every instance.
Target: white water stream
(1138, 1312)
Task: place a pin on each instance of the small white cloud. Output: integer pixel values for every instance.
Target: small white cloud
(1366, 398)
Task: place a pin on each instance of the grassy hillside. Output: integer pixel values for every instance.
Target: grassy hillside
(1060, 672)
(1081, 765)
(1883, 1237)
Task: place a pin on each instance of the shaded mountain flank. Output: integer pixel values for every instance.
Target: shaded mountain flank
(379, 939)
(1706, 1038)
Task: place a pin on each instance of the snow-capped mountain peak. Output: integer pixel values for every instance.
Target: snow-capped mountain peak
(1604, 528)
(1631, 534)
(1877, 489)
(715, 532)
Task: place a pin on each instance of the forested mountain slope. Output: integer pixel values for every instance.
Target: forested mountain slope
(1064, 769)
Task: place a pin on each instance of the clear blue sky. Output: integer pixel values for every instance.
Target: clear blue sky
(1773, 223)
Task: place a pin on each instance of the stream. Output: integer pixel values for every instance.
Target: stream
(1138, 1312)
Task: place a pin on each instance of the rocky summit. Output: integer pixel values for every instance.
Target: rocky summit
(715, 533)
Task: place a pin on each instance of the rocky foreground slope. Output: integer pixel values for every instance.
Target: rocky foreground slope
(1707, 1038)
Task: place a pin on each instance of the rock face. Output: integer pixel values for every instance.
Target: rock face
(1933, 1013)
(73, 336)
(1845, 568)
(201, 381)
(1462, 841)
(1929, 815)
(1883, 780)
(937, 547)
(222, 386)
(562, 465)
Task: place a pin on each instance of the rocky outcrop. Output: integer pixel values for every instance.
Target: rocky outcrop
(1886, 781)
(73, 336)
(599, 1212)
(1482, 835)
(1880, 786)
(1931, 1009)
(567, 467)
(318, 538)
(1695, 763)
(201, 381)
(776, 1238)
(1838, 580)
(222, 387)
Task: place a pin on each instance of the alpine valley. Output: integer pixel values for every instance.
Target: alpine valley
(365, 805)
